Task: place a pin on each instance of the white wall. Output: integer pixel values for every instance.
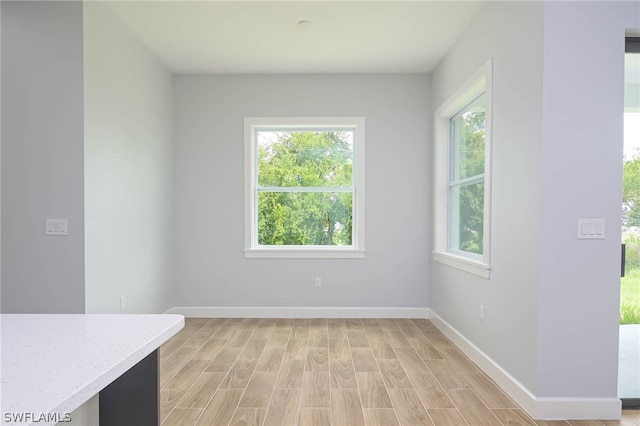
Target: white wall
(128, 163)
(210, 268)
(511, 34)
(552, 301)
(0, 167)
(42, 156)
(579, 283)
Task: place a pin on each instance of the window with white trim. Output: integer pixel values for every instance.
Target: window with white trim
(304, 187)
(463, 177)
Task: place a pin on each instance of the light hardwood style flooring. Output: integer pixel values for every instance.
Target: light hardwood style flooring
(338, 372)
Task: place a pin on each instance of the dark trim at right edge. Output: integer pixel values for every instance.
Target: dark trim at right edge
(630, 403)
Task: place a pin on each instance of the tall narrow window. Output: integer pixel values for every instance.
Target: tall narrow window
(466, 184)
(305, 187)
(462, 177)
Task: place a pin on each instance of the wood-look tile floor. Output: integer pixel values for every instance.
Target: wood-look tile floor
(339, 372)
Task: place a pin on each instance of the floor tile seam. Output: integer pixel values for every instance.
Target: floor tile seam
(217, 349)
(178, 348)
(527, 416)
(177, 402)
(238, 357)
(304, 370)
(331, 401)
(479, 399)
(421, 359)
(633, 421)
(244, 389)
(457, 411)
(178, 370)
(423, 407)
(235, 410)
(486, 376)
(266, 408)
(376, 359)
(214, 394)
(221, 326)
(172, 376)
(446, 389)
(359, 393)
(299, 400)
(424, 403)
(198, 329)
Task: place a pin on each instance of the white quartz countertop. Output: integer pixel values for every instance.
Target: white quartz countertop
(55, 363)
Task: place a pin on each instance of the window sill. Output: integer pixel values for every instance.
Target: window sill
(462, 263)
(302, 253)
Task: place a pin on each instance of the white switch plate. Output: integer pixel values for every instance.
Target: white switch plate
(56, 227)
(591, 229)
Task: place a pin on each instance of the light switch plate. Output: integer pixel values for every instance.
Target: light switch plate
(591, 229)
(56, 227)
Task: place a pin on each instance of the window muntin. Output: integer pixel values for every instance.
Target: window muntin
(305, 187)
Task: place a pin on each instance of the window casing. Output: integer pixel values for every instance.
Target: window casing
(304, 187)
(463, 177)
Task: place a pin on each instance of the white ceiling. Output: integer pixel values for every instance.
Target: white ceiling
(250, 37)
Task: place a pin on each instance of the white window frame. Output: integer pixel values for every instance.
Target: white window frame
(476, 264)
(252, 248)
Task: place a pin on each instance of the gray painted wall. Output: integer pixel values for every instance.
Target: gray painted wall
(582, 141)
(511, 34)
(552, 302)
(42, 156)
(0, 165)
(210, 268)
(128, 162)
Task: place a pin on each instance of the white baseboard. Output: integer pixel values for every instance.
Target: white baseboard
(539, 408)
(289, 312)
(512, 387)
(579, 408)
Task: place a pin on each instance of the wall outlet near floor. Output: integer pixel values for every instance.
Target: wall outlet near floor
(481, 313)
(318, 281)
(123, 302)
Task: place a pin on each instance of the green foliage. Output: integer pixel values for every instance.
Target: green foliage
(631, 194)
(472, 218)
(632, 242)
(470, 162)
(311, 160)
(630, 285)
(630, 297)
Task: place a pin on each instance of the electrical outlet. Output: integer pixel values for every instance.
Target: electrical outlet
(123, 302)
(56, 227)
(318, 281)
(481, 313)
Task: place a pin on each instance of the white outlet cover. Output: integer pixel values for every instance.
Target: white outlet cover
(591, 229)
(56, 227)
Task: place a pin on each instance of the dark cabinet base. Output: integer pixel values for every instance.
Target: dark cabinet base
(133, 398)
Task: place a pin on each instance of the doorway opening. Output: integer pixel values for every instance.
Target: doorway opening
(629, 352)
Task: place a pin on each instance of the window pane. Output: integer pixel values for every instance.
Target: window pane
(305, 218)
(466, 224)
(305, 159)
(467, 140)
